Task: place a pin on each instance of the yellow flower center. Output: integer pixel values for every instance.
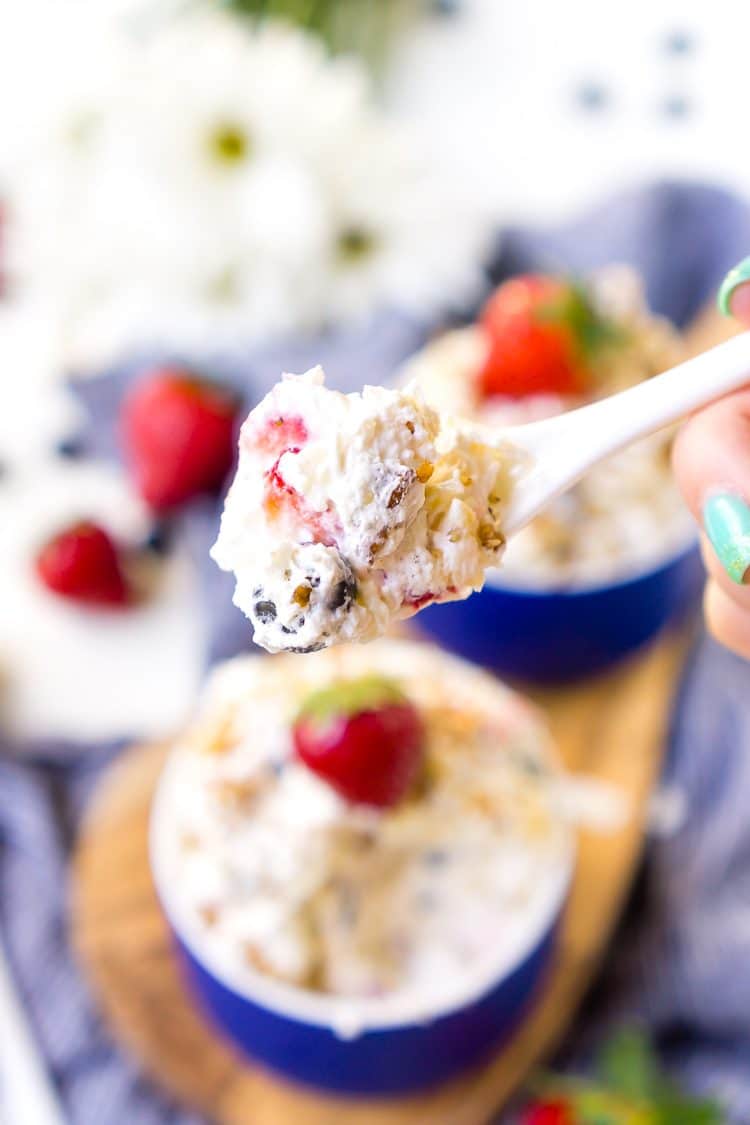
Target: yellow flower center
(354, 244)
(229, 144)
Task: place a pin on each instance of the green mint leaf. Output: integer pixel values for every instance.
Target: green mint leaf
(628, 1066)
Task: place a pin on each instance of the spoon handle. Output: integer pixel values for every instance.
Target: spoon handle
(563, 448)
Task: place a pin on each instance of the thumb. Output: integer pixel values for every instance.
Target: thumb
(712, 454)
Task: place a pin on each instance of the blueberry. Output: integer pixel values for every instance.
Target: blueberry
(265, 612)
(679, 42)
(592, 96)
(71, 448)
(676, 106)
(344, 593)
(159, 538)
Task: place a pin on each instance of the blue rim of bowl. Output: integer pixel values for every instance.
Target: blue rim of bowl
(335, 1012)
(685, 547)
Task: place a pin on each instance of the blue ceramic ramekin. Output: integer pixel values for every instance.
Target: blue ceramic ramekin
(560, 635)
(374, 1046)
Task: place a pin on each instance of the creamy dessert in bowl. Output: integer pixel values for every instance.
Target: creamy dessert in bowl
(363, 855)
(610, 561)
(544, 345)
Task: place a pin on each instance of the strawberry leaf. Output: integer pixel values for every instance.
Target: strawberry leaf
(351, 697)
(591, 330)
(627, 1065)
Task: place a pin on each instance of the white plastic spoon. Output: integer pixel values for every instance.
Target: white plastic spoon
(561, 449)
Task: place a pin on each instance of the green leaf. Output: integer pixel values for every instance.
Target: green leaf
(351, 697)
(677, 1110)
(628, 1066)
(630, 1089)
(673, 1107)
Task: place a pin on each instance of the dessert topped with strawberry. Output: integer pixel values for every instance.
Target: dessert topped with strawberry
(91, 611)
(348, 512)
(544, 344)
(365, 821)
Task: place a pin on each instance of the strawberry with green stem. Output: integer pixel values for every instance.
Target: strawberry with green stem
(628, 1088)
(543, 336)
(364, 738)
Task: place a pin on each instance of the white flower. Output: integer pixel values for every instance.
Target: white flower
(198, 182)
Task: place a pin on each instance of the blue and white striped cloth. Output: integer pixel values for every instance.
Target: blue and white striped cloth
(681, 962)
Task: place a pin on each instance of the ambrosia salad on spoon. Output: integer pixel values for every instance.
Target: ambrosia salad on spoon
(349, 512)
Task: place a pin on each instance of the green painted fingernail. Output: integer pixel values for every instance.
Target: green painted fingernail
(737, 276)
(726, 519)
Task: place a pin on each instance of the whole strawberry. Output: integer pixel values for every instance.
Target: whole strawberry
(542, 334)
(364, 738)
(555, 1112)
(82, 563)
(178, 435)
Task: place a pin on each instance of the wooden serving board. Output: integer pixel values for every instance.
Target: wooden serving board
(612, 728)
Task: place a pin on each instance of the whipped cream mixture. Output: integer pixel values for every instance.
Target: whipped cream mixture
(351, 511)
(626, 513)
(270, 870)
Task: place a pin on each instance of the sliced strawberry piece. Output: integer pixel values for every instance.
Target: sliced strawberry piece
(275, 438)
(419, 601)
(82, 563)
(364, 738)
(282, 497)
(542, 333)
(178, 436)
(277, 435)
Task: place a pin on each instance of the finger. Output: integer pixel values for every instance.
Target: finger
(739, 302)
(712, 451)
(739, 594)
(726, 622)
(734, 294)
(712, 464)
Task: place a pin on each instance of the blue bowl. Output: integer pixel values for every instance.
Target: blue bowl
(556, 636)
(370, 1047)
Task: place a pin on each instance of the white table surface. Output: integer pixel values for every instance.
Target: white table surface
(496, 89)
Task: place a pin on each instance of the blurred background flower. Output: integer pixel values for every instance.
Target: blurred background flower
(205, 179)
